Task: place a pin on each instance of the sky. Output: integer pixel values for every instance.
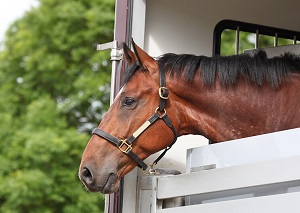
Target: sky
(11, 10)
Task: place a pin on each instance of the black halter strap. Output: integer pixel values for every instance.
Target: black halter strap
(125, 146)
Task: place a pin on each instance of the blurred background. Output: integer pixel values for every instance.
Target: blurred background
(54, 88)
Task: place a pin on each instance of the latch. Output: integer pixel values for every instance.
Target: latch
(116, 53)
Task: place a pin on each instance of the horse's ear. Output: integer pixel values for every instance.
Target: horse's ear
(129, 55)
(143, 59)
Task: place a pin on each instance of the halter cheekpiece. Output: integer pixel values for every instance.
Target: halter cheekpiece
(160, 112)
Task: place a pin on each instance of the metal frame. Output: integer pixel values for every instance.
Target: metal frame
(250, 28)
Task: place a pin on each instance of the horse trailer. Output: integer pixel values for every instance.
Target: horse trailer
(256, 174)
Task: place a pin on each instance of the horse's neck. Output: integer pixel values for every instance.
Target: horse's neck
(224, 113)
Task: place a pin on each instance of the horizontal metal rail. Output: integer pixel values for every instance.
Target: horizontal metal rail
(258, 179)
(280, 203)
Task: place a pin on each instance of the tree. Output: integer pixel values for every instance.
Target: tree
(53, 88)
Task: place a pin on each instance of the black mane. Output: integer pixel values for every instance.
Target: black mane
(257, 67)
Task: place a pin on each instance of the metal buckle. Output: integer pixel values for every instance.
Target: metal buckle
(127, 149)
(160, 92)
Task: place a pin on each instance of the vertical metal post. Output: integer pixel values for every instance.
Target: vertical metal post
(115, 56)
(257, 39)
(276, 40)
(237, 40)
(295, 39)
(113, 202)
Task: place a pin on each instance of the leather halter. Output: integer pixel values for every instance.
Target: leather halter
(125, 146)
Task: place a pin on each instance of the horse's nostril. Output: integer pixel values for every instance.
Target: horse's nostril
(86, 175)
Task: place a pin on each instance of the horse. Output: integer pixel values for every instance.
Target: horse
(221, 98)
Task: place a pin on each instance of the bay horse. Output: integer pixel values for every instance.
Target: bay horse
(221, 97)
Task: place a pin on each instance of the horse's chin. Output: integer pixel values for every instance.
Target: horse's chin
(111, 184)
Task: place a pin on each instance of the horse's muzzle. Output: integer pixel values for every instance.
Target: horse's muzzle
(106, 185)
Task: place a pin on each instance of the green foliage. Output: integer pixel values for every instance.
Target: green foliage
(53, 83)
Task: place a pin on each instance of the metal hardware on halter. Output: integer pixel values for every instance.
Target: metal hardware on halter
(119, 143)
(163, 93)
(164, 112)
(128, 147)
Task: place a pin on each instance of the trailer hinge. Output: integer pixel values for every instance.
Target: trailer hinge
(116, 53)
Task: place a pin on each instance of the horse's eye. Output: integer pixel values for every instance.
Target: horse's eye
(128, 102)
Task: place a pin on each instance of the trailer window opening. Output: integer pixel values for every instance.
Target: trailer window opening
(233, 37)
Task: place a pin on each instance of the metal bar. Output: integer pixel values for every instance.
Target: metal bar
(256, 39)
(279, 203)
(201, 168)
(276, 40)
(295, 39)
(237, 40)
(106, 46)
(218, 182)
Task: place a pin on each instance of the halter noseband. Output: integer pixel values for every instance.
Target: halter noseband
(125, 146)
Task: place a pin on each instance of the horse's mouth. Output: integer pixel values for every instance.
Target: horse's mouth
(110, 185)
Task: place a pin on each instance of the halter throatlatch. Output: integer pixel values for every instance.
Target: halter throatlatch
(125, 146)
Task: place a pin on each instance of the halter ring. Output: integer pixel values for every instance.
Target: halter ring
(164, 112)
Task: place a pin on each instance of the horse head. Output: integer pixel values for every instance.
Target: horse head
(135, 126)
(221, 98)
